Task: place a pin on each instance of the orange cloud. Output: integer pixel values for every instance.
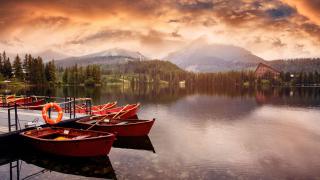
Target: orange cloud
(157, 27)
(308, 8)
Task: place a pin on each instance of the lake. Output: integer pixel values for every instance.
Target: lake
(207, 133)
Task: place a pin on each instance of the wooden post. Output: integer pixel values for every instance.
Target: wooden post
(74, 107)
(9, 120)
(70, 113)
(16, 116)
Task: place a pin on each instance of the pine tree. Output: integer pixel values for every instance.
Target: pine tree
(7, 68)
(18, 72)
(65, 76)
(1, 65)
(50, 72)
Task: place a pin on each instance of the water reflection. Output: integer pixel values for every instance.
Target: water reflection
(32, 164)
(36, 165)
(88, 167)
(137, 143)
(166, 95)
(216, 132)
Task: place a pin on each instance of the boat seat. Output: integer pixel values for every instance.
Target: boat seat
(122, 123)
(81, 137)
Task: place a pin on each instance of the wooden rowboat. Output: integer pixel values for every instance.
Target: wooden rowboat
(83, 109)
(35, 105)
(24, 102)
(69, 142)
(122, 112)
(120, 127)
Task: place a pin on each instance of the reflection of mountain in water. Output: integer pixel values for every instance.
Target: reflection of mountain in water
(213, 107)
(169, 94)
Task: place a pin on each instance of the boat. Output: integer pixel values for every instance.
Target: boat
(69, 142)
(120, 127)
(122, 112)
(24, 102)
(83, 109)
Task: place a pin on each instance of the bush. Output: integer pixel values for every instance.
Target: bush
(89, 82)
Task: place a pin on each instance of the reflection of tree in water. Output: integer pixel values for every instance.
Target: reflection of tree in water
(168, 94)
(302, 97)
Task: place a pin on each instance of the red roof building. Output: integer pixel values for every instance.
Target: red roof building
(264, 70)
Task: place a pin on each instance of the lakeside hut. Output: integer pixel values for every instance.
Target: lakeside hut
(263, 70)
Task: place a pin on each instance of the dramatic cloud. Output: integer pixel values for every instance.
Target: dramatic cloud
(268, 28)
(308, 8)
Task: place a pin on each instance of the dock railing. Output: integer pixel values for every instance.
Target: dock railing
(30, 113)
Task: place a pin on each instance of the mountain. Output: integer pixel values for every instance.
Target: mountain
(110, 56)
(200, 56)
(46, 55)
(49, 55)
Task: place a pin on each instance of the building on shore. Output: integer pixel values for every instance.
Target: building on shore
(264, 70)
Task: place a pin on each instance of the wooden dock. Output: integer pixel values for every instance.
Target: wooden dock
(27, 117)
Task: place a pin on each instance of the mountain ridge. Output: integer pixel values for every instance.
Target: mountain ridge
(109, 56)
(204, 57)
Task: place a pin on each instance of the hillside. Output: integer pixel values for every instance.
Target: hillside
(200, 56)
(148, 67)
(110, 56)
(297, 65)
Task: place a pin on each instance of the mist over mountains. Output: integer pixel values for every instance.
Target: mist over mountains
(110, 56)
(46, 55)
(198, 56)
(203, 57)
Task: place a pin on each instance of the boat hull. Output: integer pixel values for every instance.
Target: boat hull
(96, 108)
(126, 112)
(25, 103)
(88, 147)
(132, 128)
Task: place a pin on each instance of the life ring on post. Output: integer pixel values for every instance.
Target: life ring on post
(45, 115)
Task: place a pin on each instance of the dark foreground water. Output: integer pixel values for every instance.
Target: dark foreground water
(215, 133)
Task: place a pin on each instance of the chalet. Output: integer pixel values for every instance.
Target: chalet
(264, 70)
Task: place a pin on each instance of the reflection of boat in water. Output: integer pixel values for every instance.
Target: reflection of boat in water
(137, 143)
(98, 167)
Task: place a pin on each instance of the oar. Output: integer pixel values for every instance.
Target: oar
(120, 111)
(106, 106)
(136, 106)
(107, 116)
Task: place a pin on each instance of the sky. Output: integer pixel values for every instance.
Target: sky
(271, 29)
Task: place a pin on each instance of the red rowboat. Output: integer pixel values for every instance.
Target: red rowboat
(123, 112)
(23, 102)
(102, 107)
(70, 142)
(120, 127)
(35, 105)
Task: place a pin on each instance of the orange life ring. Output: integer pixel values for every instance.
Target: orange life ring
(46, 117)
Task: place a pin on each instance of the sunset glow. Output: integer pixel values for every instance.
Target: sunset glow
(270, 29)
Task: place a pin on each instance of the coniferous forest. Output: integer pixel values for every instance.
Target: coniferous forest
(33, 70)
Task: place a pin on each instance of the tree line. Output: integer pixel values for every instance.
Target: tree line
(299, 78)
(76, 75)
(34, 71)
(30, 69)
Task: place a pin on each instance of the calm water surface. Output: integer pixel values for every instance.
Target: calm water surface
(219, 133)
